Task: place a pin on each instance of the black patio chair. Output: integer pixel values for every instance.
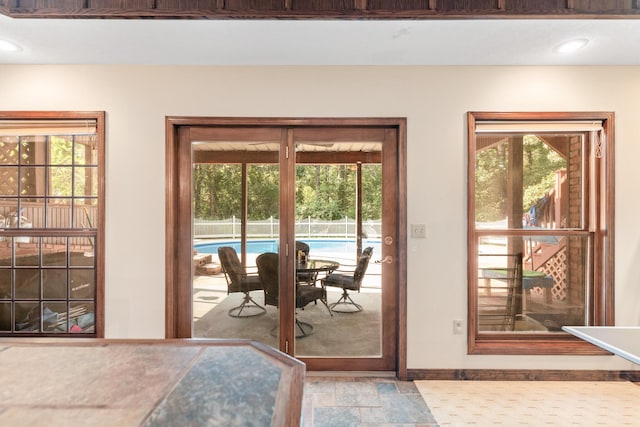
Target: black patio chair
(268, 271)
(349, 282)
(239, 281)
(302, 251)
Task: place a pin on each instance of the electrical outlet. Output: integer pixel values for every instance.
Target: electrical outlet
(457, 327)
(418, 231)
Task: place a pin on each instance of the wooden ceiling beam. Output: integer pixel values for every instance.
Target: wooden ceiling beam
(322, 9)
(263, 157)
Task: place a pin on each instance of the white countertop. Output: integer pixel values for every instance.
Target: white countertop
(623, 341)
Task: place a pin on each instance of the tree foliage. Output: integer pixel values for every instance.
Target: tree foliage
(540, 164)
(326, 191)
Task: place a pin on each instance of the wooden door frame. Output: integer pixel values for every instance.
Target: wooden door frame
(178, 304)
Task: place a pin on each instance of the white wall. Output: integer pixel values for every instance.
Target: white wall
(433, 99)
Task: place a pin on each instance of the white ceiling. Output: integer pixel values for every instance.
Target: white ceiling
(324, 42)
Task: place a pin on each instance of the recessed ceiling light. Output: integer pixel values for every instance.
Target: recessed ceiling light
(571, 45)
(7, 46)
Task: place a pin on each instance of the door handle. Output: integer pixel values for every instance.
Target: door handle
(387, 260)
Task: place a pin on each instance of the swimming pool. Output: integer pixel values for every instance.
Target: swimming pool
(335, 247)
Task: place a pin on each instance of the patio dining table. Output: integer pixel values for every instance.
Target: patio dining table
(530, 279)
(316, 266)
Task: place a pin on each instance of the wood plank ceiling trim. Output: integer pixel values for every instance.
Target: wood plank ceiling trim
(321, 9)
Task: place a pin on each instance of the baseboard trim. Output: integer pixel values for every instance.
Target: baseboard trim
(521, 375)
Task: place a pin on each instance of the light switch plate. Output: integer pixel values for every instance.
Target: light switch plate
(418, 231)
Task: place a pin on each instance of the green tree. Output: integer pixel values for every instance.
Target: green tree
(540, 164)
(326, 191)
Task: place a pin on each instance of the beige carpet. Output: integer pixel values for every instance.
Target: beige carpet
(343, 335)
(532, 403)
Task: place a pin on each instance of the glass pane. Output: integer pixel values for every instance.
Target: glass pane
(38, 179)
(32, 213)
(85, 181)
(85, 152)
(27, 255)
(532, 284)
(18, 221)
(235, 305)
(339, 284)
(530, 181)
(32, 181)
(6, 251)
(54, 283)
(54, 316)
(5, 283)
(9, 150)
(27, 283)
(5, 317)
(8, 181)
(85, 213)
(27, 317)
(82, 283)
(7, 208)
(32, 150)
(54, 251)
(82, 317)
(60, 181)
(81, 258)
(60, 150)
(58, 213)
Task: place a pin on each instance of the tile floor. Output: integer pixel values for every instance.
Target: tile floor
(355, 401)
(533, 403)
(385, 402)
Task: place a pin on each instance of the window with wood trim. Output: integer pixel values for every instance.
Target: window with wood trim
(540, 230)
(51, 223)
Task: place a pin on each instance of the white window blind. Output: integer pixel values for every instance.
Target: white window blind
(537, 126)
(47, 127)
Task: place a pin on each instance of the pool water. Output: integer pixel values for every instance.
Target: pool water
(337, 247)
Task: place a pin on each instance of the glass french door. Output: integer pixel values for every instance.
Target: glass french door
(338, 215)
(235, 193)
(309, 214)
